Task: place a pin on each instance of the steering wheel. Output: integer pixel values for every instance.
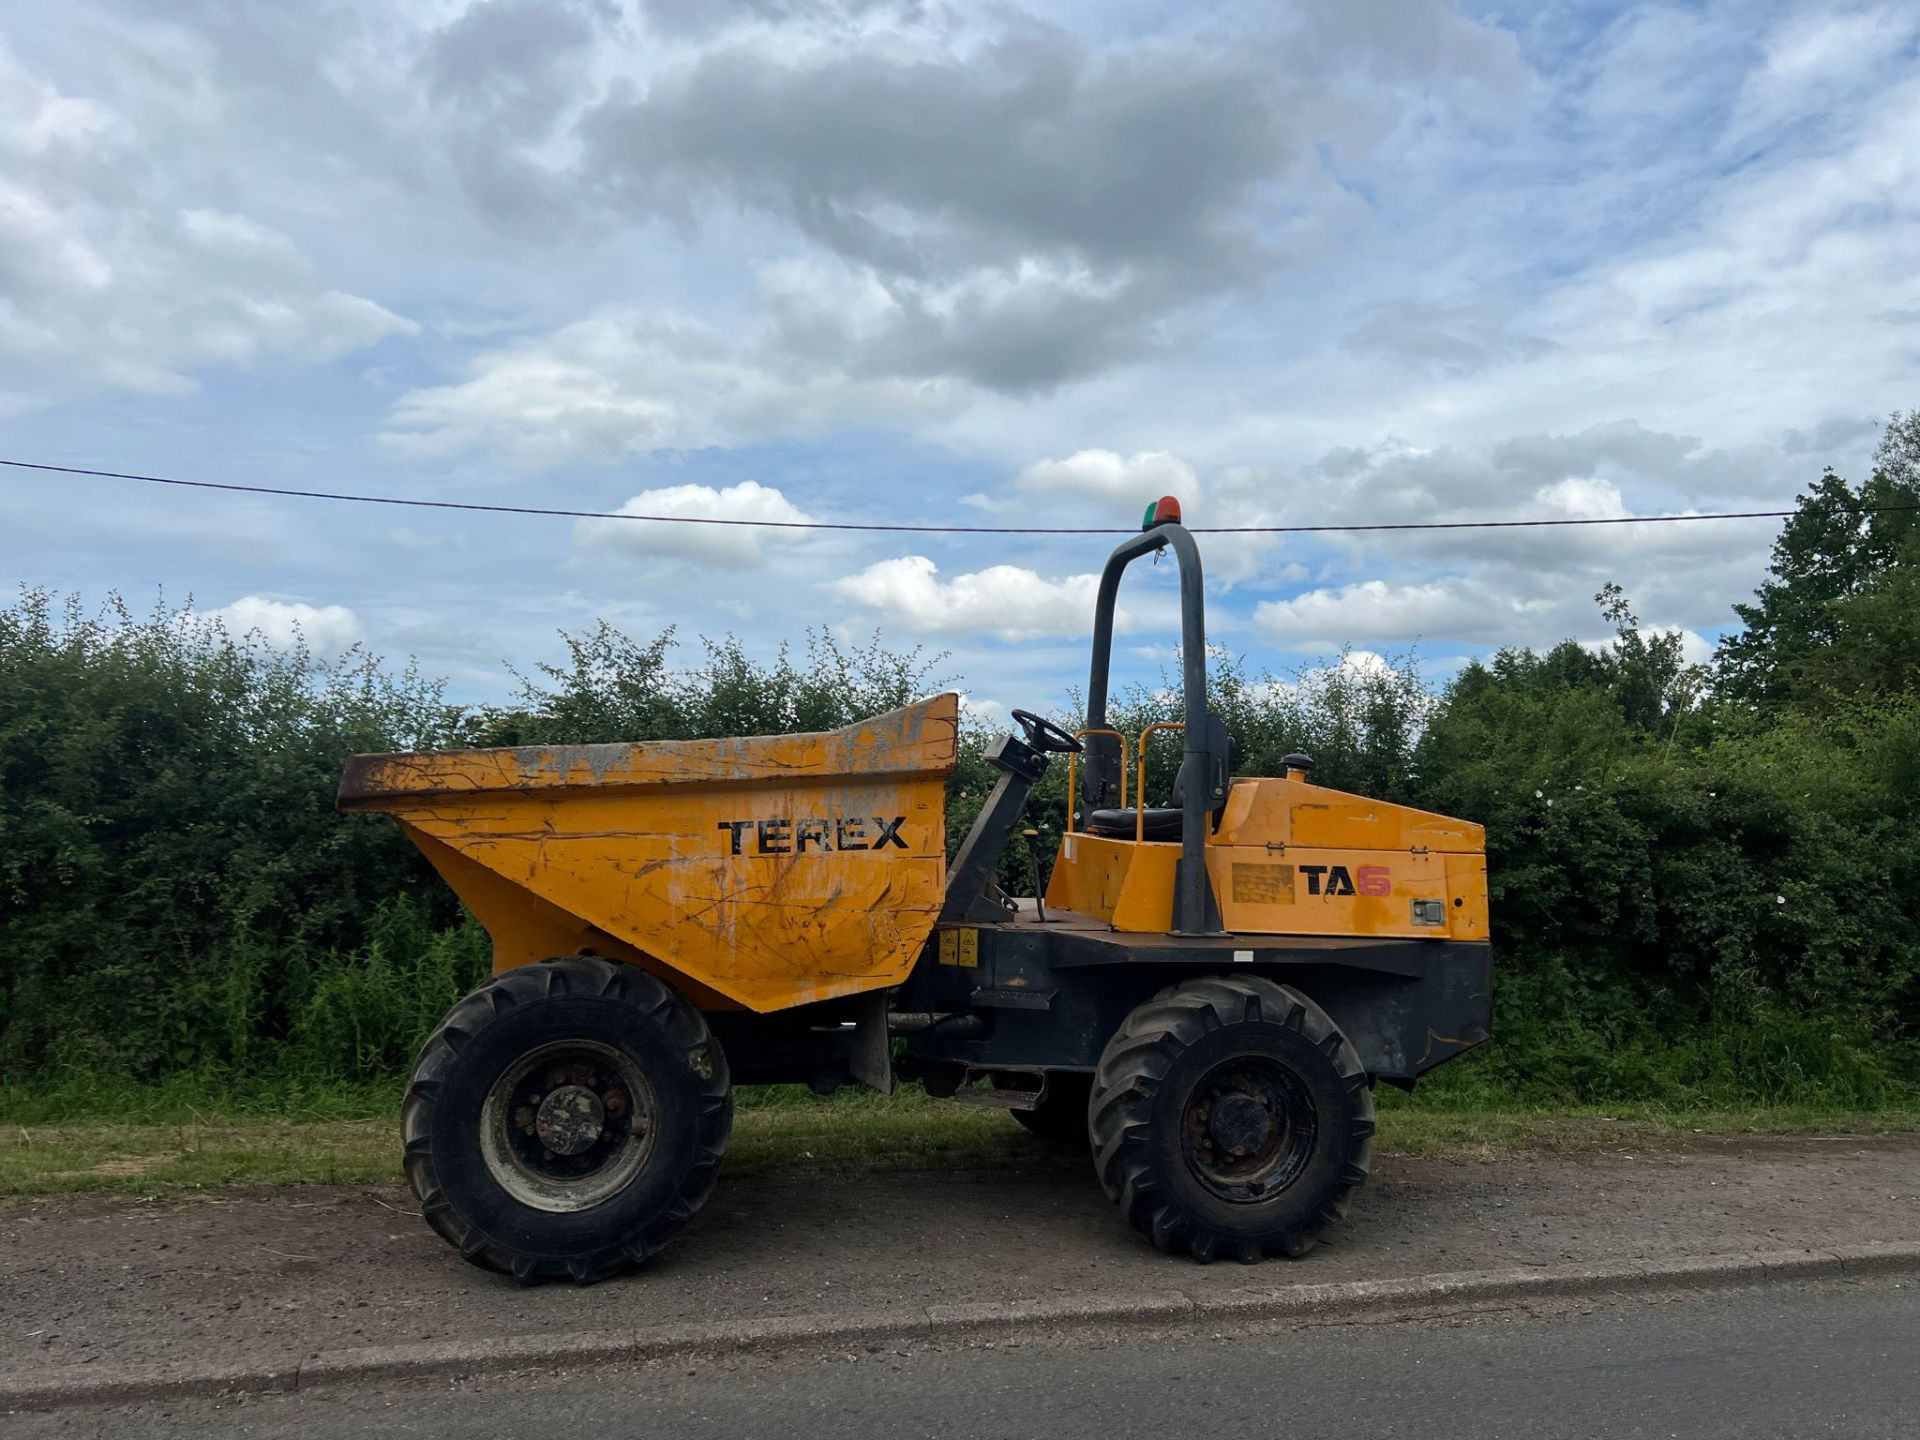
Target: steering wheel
(1045, 736)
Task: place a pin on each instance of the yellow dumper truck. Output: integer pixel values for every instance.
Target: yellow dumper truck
(1204, 996)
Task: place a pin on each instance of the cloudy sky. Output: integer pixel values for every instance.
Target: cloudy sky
(970, 263)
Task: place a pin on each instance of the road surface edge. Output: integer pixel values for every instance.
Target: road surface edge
(102, 1385)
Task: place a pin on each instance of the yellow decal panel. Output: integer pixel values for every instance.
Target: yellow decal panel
(1330, 892)
(960, 947)
(1257, 884)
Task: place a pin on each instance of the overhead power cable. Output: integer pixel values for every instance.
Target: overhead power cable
(478, 507)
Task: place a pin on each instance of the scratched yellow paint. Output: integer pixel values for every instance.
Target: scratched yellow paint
(1272, 861)
(763, 872)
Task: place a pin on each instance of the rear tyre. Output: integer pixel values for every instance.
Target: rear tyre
(1061, 1118)
(565, 1119)
(1230, 1117)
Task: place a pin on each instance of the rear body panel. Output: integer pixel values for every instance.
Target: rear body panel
(1291, 858)
(1378, 912)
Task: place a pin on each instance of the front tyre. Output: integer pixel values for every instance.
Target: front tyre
(1231, 1117)
(565, 1119)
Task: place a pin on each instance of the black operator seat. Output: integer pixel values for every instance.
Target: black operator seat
(1164, 822)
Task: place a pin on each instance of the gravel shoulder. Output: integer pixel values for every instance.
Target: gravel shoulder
(266, 1274)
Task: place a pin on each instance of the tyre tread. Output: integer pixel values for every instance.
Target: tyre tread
(586, 975)
(1133, 1068)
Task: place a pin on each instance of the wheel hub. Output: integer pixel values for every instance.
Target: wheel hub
(568, 1125)
(1248, 1129)
(1239, 1124)
(570, 1120)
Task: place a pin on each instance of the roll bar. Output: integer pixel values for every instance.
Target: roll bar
(1204, 758)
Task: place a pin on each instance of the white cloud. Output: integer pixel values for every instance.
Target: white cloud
(1520, 586)
(1795, 271)
(1530, 585)
(108, 284)
(1122, 484)
(1701, 284)
(733, 545)
(983, 711)
(1362, 664)
(628, 382)
(940, 206)
(328, 631)
(1695, 648)
(1380, 611)
(1817, 59)
(1038, 205)
(1353, 667)
(1001, 600)
(1671, 270)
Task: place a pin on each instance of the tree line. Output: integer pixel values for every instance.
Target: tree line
(1705, 879)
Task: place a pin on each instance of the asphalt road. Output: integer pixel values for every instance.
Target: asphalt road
(265, 1276)
(1811, 1359)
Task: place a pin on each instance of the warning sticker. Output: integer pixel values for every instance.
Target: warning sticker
(1262, 884)
(960, 947)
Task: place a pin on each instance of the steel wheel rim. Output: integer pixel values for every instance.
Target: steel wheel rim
(568, 1125)
(1248, 1129)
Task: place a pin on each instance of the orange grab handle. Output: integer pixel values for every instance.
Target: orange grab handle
(1140, 815)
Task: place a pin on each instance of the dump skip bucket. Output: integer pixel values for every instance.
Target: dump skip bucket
(764, 872)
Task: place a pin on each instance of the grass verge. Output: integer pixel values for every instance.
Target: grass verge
(784, 1130)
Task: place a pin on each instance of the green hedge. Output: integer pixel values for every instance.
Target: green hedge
(1706, 887)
